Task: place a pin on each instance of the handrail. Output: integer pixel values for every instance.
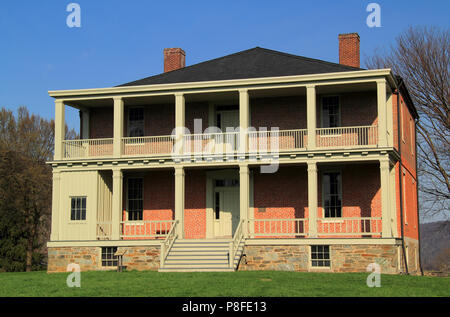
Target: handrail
(167, 244)
(234, 244)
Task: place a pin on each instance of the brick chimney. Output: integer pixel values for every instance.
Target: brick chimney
(174, 58)
(349, 49)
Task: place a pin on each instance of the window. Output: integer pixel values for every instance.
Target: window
(108, 257)
(320, 255)
(78, 208)
(227, 183)
(330, 112)
(332, 197)
(135, 199)
(136, 122)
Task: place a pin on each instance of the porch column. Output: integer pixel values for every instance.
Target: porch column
(179, 200)
(118, 125)
(179, 122)
(117, 207)
(244, 195)
(311, 116)
(60, 129)
(244, 119)
(54, 236)
(386, 231)
(382, 112)
(312, 199)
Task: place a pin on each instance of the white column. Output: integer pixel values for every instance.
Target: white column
(382, 113)
(180, 124)
(392, 199)
(54, 236)
(179, 200)
(312, 199)
(117, 206)
(244, 195)
(244, 119)
(60, 129)
(118, 125)
(311, 117)
(385, 204)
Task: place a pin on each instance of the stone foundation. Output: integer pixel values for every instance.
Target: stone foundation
(89, 258)
(344, 258)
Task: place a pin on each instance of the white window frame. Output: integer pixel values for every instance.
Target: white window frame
(310, 262)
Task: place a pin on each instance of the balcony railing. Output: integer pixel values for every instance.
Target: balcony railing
(211, 143)
(370, 226)
(277, 228)
(85, 148)
(282, 140)
(347, 136)
(147, 229)
(147, 145)
(224, 143)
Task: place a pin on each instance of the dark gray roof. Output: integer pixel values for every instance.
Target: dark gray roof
(253, 63)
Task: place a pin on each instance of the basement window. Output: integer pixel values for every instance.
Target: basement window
(108, 257)
(78, 208)
(320, 256)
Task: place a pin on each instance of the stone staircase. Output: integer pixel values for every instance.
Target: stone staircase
(210, 255)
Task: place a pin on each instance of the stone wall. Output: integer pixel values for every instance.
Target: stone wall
(344, 258)
(89, 258)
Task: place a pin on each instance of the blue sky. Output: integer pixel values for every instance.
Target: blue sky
(120, 41)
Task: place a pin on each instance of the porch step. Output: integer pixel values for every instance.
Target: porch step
(200, 256)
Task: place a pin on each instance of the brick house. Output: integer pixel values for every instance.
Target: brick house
(258, 160)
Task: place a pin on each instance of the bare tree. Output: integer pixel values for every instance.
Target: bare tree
(420, 55)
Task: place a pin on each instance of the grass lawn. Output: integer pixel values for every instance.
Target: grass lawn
(234, 284)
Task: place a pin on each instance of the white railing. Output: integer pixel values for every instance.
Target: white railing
(359, 226)
(147, 145)
(104, 230)
(235, 243)
(167, 244)
(147, 229)
(211, 143)
(278, 227)
(347, 136)
(281, 140)
(87, 148)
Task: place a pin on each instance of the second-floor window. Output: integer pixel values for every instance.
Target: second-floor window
(331, 117)
(136, 122)
(135, 199)
(332, 197)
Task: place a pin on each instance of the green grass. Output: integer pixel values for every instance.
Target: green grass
(235, 284)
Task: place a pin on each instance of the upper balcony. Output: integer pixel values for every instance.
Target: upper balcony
(230, 122)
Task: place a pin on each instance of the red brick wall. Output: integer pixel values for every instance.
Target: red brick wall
(357, 108)
(285, 112)
(101, 123)
(283, 194)
(195, 204)
(349, 49)
(194, 111)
